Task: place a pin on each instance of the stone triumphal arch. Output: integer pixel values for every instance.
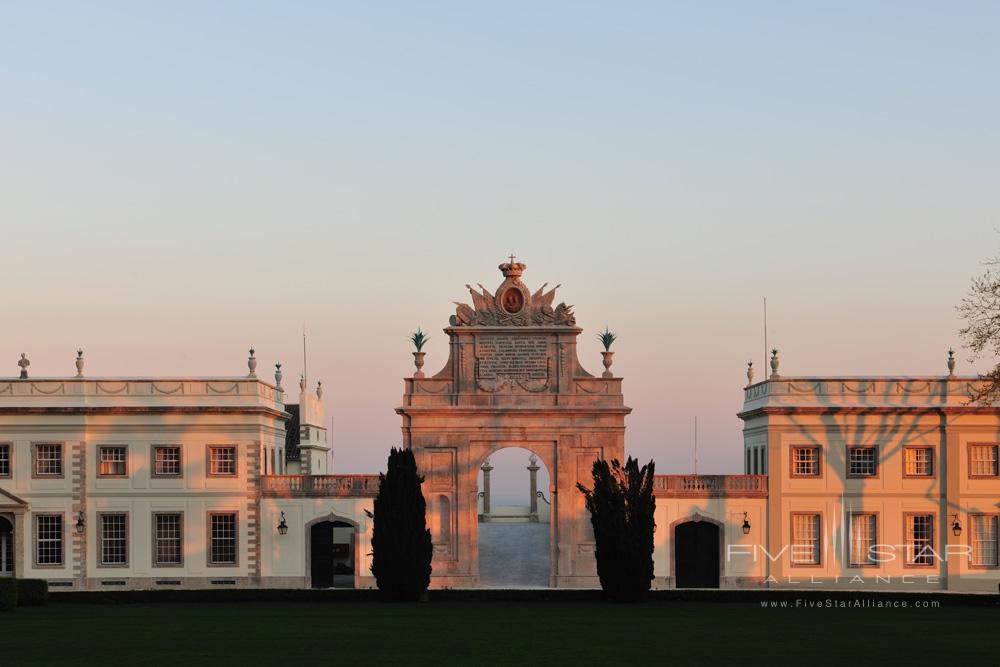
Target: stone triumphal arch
(512, 379)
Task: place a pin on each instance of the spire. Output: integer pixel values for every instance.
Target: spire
(304, 364)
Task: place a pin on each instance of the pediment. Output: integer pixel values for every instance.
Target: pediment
(8, 499)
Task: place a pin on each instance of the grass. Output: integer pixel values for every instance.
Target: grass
(492, 632)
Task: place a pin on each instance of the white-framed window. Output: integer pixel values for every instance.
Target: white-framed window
(166, 461)
(862, 461)
(222, 538)
(114, 538)
(5, 459)
(806, 539)
(222, 461)
(863, 529)
(168, 538)
(984, 540)
(112, 461)
(918, 461)
(983, 460)
(48, 460)
(805, 461)
(48, 539)
(919, 539)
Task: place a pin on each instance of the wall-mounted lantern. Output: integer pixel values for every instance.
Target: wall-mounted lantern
(79, 523)
(956, 527)
(746, 523)
(282, 526)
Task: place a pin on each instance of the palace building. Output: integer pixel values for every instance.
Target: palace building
(154, 483)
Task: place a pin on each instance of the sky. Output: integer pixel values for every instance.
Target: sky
(179, 181)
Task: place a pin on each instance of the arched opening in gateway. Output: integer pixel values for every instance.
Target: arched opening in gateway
(514, 520)
(696, 554)
(331, 547)
(6, 548)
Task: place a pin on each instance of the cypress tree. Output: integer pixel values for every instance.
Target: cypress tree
(401, 542)
(621, 507)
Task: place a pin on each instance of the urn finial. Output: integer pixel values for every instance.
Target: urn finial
(951, 363)
(774, 364)
(277, 376)
(302, 383)
(607, 338)
(750, 372)
(23, 362)
(319, 389)
(252, 364)
(419, 339)
(79, 363)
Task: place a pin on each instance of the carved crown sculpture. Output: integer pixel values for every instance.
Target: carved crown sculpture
(512, 304)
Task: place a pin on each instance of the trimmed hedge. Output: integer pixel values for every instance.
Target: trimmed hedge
(32, 592)
(8, 593)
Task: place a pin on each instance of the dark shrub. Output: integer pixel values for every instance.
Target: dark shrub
(32, 592)
(401, 543)
(8, 593)
(621, 507)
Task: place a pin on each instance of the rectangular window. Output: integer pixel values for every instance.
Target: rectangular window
(862, 461)
(805, 461)
(805, 539)
(222, 461)
(920, 539)
(48, 460)
(984, 540)
(166, 461)
(168, 542)
(862, 534)
(222, 538)
(983, 460)
(49, 539)
(112, 461)
(918, 462)
(5, 460)
(114, 539)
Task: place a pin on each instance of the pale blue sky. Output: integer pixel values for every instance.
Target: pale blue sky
(178, 181)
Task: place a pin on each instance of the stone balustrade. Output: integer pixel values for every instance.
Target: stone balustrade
(114, 393)
(319, 486)
(710, 486)
(827, 392)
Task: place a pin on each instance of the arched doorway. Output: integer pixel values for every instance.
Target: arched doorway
(331, 554)
(6, 548)
(697, 548)
(514, 520)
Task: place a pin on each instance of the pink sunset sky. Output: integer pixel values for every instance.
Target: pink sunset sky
(179, 182)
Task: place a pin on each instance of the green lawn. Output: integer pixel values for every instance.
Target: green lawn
(493, 632)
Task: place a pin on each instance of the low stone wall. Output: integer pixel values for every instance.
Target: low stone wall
(865, 598)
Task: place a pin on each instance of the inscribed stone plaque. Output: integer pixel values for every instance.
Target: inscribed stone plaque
(522, 357)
